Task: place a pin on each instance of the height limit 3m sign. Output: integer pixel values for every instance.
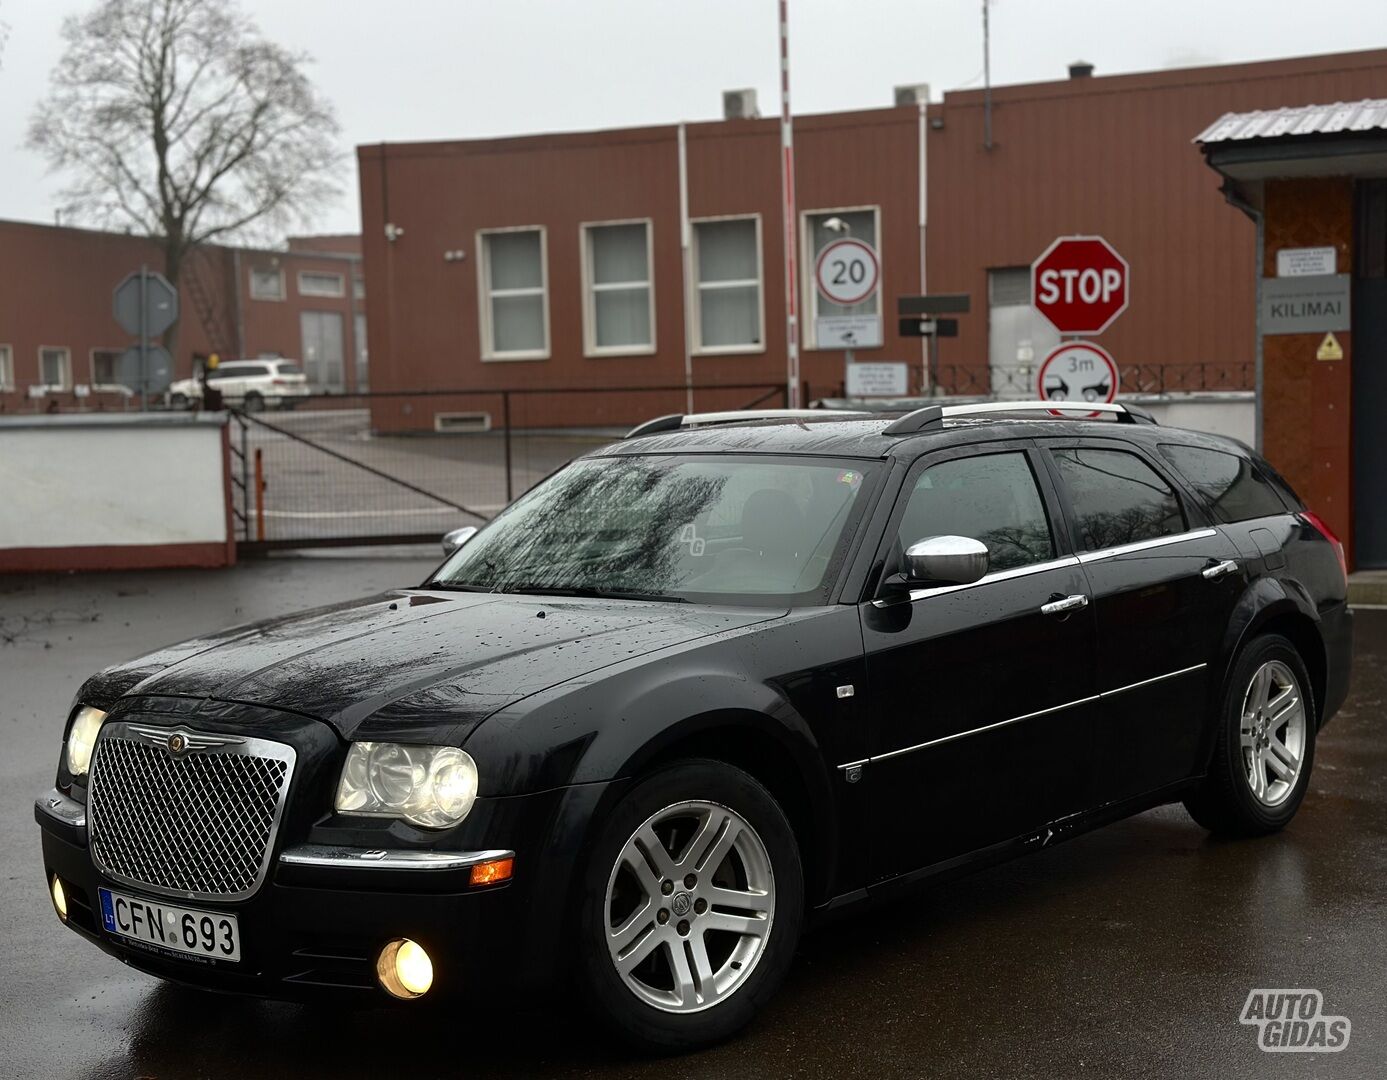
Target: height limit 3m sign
(1080, 284)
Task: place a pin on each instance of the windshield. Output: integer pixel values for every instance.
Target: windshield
(718, 528)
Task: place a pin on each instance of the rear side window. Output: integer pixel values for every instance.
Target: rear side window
(991, 498)
(289, 369)
(1117, 498)
(1232, 486)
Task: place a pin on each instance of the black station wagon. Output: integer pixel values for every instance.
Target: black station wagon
(693, 692)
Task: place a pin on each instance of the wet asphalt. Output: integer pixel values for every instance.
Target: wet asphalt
(1126, 952)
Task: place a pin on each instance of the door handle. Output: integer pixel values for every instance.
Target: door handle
(1218, 570)
(1062, 607)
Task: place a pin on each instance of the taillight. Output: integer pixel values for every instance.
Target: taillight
(277, 381)
(1328, 533)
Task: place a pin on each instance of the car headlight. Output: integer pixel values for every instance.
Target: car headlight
(81, 739)
(433, 786)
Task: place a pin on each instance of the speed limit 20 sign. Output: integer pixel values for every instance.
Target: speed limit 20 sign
(847, 271)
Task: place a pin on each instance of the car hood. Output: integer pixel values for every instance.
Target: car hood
(422, 663)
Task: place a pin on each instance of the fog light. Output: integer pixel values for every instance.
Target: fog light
(59, 898)
(404, 969)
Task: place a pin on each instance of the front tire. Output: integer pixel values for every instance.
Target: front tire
(1265, 746)
(254, 402)
(692, 907)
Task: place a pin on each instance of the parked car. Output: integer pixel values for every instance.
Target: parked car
(694, 692)
(248, 384)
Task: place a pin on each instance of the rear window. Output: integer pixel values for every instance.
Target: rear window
(1117, 498)
(1231, 484)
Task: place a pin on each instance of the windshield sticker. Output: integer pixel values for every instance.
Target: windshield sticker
(850, 477)
(689, 535)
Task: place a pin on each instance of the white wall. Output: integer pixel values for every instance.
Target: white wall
(1233, 413)
(80, 481)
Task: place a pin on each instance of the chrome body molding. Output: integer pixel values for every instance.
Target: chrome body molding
(60, 808)
(1025, 716)
(332, 855)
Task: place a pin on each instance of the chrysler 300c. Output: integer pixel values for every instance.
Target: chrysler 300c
(693, 692)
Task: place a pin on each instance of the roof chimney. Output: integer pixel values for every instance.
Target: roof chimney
(739, 105)
(1080, 69)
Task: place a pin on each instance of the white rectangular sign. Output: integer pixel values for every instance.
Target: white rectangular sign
(1305, 262)
(847, 332)
(876, 380)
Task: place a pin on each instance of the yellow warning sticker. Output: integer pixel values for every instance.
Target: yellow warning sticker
(1329, 349)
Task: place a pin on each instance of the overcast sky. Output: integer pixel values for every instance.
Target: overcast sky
(439, 69)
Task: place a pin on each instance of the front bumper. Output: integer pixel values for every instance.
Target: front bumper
(317, 924)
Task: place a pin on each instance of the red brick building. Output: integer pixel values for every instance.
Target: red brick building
(58, 339)
(568, 260)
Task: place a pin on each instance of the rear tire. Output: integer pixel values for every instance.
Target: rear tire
(1265, 747)
(680, 945)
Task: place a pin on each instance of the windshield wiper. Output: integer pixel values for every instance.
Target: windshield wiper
(599, 594)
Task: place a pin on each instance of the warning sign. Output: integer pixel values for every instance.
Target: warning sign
(1329, 349)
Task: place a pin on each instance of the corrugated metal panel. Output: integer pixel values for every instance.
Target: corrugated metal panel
(1366, 115)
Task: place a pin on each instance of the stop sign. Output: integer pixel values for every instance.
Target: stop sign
(1080, 284)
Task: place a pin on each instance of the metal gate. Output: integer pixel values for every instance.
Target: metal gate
(407, 466)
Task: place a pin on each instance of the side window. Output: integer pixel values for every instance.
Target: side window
(1230, 483)
(992, 498)
(1117, 498)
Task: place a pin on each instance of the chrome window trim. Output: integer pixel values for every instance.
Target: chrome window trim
(1143, 545)
(338, 856)
(208, 742)
(1024, 716)
(986, 579)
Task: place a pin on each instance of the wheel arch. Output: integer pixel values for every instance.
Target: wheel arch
(1285, 614)
(754, 743)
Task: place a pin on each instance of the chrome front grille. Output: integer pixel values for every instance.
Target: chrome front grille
(186, 812)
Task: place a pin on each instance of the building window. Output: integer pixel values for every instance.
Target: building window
(727, 294)
(358, 287)
(514, 296)
(316, 283)
(104, 367)
(618, 293)
(55, 368)
(6, 367)
(266, 284)
(861, 223)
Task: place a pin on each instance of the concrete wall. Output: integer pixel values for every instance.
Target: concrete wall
(114, 492)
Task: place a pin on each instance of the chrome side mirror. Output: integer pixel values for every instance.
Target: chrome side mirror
(455, 539)
(945, 560)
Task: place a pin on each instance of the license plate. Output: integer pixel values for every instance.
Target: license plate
(153, 923)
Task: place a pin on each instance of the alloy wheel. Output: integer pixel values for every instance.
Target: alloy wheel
(1272, 733)
(689, 907)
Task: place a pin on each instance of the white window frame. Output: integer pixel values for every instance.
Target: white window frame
(336, 294)
(590, 289)
(250, 286)
(696, 305)
(6, 367)
(91, 366)
(67, 365)
(485, 294)
(810, 290)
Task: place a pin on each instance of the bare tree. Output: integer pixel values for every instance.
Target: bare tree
(176, 118)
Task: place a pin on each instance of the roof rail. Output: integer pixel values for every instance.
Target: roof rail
(735, 416)
(930, 415)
